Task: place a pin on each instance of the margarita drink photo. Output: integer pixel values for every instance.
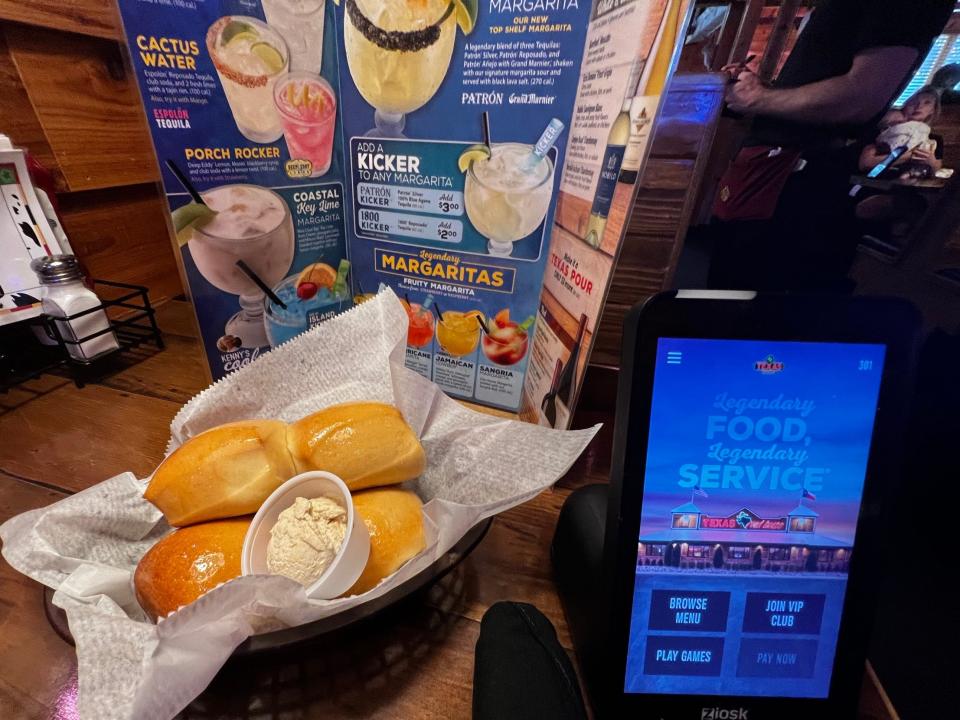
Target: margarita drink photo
(399, 51)
(300, 22)
(308, 114)
(249, 224)
(506, 342)
(249, 57)
(421, 324)
(505, 198)
(315, 293)
(459, 333)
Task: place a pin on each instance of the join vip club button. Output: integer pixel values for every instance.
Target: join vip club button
(783, 613)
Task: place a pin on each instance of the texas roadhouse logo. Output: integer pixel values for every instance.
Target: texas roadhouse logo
(769, 366)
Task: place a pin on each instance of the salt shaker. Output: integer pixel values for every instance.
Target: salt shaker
(64, 295)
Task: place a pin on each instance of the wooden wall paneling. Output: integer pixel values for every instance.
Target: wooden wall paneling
(748, 26)
(87, 103)
(728, 34)
(778, 39)
(643, 260)
(704, 98)
(664, 203)
(17, 119)
(99, 18)
(121, 234)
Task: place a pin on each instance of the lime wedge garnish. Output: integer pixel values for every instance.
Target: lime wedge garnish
(244, 36)
(189, 216)
(236, 27)
(471, 155)
(269, 54)
(466, 14)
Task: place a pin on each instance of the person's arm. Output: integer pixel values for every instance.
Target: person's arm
(870, 157)
(927, 157)
(856, 97)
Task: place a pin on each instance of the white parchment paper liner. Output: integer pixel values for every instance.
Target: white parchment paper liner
(87, 545)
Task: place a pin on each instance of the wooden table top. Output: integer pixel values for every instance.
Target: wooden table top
(930, 185)
(415, 661)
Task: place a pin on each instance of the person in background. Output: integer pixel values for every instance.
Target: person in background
(908, 126)
(946, 80)
(887, 218)
(784, 220)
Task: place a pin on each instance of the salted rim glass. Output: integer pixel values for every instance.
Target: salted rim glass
(214, 35)
(396, 40)
(486, 186)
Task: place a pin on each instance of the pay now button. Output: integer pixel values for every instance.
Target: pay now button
(776, 658)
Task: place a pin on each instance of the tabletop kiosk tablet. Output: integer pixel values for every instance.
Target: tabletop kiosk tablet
(756, 440)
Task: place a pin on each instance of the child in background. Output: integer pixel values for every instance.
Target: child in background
(908, 126)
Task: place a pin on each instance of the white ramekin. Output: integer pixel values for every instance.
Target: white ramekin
(352, 556)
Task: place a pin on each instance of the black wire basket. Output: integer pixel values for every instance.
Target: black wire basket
(131, 319)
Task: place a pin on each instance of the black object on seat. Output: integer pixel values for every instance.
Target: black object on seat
(577, 554)
(521, 671)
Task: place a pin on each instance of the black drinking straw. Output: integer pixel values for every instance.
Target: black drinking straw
(436, 309)
(486, 128)
(261, 284)
(187, 185)
(483, 326)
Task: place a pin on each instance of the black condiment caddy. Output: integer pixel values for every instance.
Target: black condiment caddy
(131, 316)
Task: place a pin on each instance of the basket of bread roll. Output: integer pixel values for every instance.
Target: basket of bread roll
(316, 484)
(317, 500)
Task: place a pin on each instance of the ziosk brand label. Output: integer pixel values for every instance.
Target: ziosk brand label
(724, 714)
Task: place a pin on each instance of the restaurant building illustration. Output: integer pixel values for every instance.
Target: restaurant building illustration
(743, 541)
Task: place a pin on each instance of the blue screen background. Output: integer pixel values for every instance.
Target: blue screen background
(835, 388)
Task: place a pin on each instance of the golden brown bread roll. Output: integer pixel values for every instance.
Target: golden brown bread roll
(187, 563)
(231, 469)
(223, 472)
(394, 518)
(366, 444)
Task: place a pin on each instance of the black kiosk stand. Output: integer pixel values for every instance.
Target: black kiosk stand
(730, 569)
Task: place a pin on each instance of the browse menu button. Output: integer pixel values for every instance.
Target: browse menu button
(689, 610)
